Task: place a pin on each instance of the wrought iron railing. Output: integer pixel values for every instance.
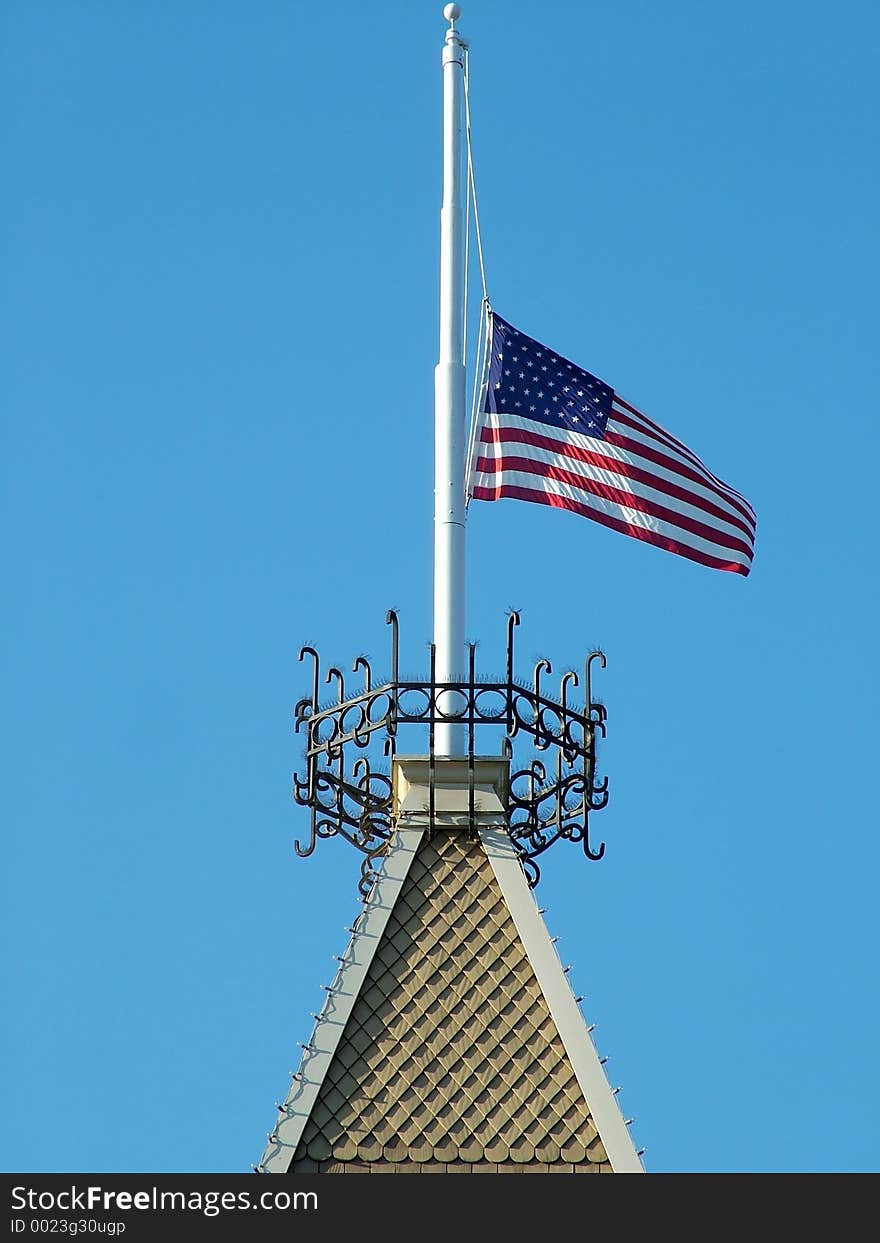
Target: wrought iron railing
(349, 793)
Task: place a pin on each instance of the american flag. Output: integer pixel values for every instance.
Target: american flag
(552, 433)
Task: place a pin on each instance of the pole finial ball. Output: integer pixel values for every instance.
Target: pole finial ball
(452, 12)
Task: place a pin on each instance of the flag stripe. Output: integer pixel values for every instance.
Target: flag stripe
(673, 441)
(608, 517)
(622, 408)
(637, 451)
(520, 472)
(597, 455)
(645, 429)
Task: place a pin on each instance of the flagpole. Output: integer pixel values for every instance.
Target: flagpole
(449, 397)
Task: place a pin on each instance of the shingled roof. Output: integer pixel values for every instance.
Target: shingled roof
(451, 1041)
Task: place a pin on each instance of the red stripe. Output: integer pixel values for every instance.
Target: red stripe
(649, 428)
(617, 524)
(666, 439)
(649, 424)
(580, 453)
(637, 449)
(616, 496)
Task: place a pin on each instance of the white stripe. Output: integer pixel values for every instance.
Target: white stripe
(632, 487)
(592, 445)
(635, 517)
(650, 437)
(687, 459)
(659, 435)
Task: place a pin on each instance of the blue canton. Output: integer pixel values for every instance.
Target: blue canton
(530, 381)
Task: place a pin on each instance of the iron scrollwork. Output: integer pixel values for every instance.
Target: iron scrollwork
(548, 800)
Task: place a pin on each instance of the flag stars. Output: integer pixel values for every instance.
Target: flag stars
(575, 398)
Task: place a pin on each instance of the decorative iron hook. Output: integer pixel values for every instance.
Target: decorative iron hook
(315, 672)
(361, 662)
(391, 620)
(595, 855)
(542, 666)
(542, 738)
(569, 677)
(302, 790)
(537, 770)
(340, 682)
(598, 795)
(567, 743)
(512, 623)
(363, 775)
(313, 841)
(301, 713)
(597, 655)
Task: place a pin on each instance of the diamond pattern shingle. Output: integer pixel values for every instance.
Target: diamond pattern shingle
(450, 1056)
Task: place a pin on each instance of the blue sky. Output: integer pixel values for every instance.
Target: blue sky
(219, 312)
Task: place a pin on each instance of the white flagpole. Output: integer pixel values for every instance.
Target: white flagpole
(449, 398)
